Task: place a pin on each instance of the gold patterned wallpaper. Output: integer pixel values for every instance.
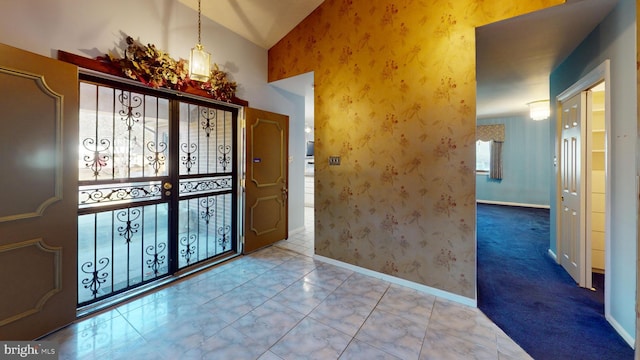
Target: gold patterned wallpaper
(395, 98)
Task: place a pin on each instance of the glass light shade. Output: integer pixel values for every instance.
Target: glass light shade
(199, 64)
(539, 110)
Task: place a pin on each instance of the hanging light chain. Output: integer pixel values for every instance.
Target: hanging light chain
(199, 23)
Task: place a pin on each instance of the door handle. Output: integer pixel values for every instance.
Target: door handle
(285, 194)
(167, 187)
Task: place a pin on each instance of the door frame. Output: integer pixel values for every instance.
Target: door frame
(175, 273)
(594, 77)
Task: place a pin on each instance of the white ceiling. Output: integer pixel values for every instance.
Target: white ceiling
(514, 57)
(263, 22)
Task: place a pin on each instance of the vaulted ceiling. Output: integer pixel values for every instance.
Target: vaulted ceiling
(514, 57)
(263, 22)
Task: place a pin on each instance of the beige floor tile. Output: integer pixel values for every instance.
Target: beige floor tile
(279, 304)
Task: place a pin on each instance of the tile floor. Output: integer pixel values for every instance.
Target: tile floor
(280, 304)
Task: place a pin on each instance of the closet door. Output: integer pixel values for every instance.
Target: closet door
(38, 193)
(572, 162)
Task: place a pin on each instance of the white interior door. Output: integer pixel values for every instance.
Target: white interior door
(572, 164)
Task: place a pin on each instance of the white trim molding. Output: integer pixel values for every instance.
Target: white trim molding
(398, 281)
(490, 202)
(621, 331)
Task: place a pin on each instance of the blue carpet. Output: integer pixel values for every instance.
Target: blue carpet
(529, 296)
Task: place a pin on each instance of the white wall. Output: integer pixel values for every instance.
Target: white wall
(296, 104)
(93, 28)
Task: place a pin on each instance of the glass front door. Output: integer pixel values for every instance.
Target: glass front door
(157, 186)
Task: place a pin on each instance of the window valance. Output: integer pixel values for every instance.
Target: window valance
(490, 132)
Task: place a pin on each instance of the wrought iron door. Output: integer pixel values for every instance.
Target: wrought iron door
(157, 186)
(206, 178)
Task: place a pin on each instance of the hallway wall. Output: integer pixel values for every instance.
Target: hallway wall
(613, 39)
(395, 98)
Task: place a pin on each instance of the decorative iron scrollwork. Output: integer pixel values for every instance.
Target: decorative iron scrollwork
(128, 216)
(224, 236)
(189, 249)
(96, 280)
(190, 159)
(205, 185)
(225, 158)
(99, 154)
(209, 116)
(157, 257)
(128, 113)
(105, 194)
(157, 157)
(209, 208)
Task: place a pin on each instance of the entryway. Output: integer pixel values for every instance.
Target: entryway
(158, 186)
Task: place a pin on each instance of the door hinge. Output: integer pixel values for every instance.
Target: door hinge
(243, 123)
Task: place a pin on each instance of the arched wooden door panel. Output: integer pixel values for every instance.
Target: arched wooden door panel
(38, 193)
(266, 207)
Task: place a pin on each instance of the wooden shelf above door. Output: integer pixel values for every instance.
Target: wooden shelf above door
(103, 67)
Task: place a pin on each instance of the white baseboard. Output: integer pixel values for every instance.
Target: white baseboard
(623, 333)
(490, 202)
(619, 329)
(398, 281)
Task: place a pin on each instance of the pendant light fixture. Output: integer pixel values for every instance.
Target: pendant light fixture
(199, 60)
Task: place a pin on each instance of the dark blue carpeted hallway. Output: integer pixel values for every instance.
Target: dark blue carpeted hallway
(527, 294)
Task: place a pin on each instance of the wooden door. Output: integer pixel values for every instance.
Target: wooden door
(266, 184)
(38, 193)
(572, 164)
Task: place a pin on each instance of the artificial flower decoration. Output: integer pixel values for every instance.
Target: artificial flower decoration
(153, 67)
(218, 85)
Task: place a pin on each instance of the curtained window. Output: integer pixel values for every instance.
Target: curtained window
(494, 134)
